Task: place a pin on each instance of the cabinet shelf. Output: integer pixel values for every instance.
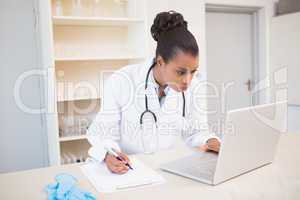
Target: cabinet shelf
(103, 58)
(94, 21)
(72, 138)
(77, 98)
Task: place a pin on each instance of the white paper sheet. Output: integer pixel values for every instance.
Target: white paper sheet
(105, 181)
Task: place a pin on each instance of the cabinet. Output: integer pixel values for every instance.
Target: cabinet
(91, 39)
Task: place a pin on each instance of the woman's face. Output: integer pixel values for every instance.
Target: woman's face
(179, 71)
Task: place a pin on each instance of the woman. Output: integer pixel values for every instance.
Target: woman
(146, 106)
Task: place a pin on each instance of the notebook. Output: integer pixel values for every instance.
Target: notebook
(105, 181)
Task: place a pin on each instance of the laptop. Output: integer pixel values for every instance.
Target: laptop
(249, 142)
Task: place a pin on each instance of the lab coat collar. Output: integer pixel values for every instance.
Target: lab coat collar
(144, 69)
(153, 82)
(143, 73)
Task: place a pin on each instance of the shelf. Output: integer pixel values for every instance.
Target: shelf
(72, 138)
(94, 21)
(128, 57)
(83, 80)
(77, 99)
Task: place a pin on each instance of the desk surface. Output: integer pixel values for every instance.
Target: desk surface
(280, 180)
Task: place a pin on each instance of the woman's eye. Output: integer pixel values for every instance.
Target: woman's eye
(180, 73)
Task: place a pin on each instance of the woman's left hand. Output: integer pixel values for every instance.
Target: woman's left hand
(212, 144)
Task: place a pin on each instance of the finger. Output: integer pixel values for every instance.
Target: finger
(115, 162)
(211, 146)
(204, 147)
(112, 159)
(122, 169)
(124, 156)
(123, 172)
(113, 169)
(120, 164)
(218, 148)
(215, 147)
(213, 141)
(117, 170)
(116, 166)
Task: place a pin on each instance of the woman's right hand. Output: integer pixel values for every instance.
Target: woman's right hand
(116, 166)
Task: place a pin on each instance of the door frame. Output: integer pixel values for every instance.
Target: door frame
(260, 68)
(47, 64)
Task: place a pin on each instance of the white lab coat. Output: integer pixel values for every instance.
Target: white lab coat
(117, 125)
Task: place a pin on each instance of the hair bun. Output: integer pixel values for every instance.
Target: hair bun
(166, 21)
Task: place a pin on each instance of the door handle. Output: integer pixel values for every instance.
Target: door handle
(249, 84)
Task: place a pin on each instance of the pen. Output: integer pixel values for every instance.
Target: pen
(113, 152)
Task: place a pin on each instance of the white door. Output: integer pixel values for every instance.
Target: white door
(230, 63)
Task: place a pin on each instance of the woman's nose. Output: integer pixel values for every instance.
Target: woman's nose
(187, 79)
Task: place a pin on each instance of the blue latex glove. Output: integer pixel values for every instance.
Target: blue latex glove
(65, 189)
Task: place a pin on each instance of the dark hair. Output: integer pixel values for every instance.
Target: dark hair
(170, 31)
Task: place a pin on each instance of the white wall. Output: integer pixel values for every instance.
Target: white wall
(23, 140)
(255, 3)
(293, 119)
(285, 48)
(285, 51)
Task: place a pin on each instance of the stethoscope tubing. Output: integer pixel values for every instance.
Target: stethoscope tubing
(147, 110)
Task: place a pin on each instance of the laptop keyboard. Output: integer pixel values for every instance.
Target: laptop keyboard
(197, 165)
(204, 163)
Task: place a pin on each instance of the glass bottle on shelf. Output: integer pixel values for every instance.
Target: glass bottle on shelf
(81, 157)
(63, 160)
(69, 126)
(58, 8)
(89, 8)
(72, 158)
(76, 8)
(130, 8)
(67, 158)
(121, 8)
(96, 8)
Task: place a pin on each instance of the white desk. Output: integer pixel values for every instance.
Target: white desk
(280, 180)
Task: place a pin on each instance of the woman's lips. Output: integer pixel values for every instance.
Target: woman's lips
(183, 88)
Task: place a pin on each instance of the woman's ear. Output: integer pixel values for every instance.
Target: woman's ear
(160, 61)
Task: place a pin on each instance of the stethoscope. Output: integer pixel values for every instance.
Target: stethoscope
(147, 110)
